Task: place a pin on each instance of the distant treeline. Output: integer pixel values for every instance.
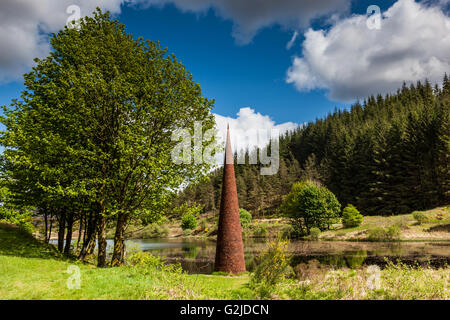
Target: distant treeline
(387, 155)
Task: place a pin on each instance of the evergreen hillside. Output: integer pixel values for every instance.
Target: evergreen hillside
(387, 155)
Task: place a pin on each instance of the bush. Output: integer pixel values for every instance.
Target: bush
(314, 234)
(187, 232)
(188, 221)
(420, 217)
(351, 217)
(288, 231)
(261, 231)
(384, 234)
(155, 230)
(308, 206)
(273, 266)
(203, 224)
(145, 262)
(246, 218)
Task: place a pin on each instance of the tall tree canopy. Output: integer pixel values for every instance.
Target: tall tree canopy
(90, 138)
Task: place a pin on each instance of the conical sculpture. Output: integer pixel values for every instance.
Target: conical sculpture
(230, 248)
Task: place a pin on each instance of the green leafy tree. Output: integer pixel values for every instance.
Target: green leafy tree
(93, 131)
(308, 206)
(188, 222)
(351, 217)
(246, 218)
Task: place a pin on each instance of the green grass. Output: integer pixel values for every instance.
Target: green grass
(410, 230)
(30, 269)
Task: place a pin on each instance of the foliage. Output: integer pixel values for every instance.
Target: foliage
(203, 225)
(15, 215)
(420, 217)
(351, 217)
(387, 155)
(308, 206)
(246, 218)
(22, 276)
(390, 233)
(314, 234)
(184, 209)
(272, 267)
(91, 136)
(188, 221)
(260, 230)
(155, 230)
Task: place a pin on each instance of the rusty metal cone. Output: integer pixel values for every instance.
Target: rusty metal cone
(230, 247)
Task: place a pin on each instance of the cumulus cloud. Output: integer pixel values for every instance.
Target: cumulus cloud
(249, 16)
(351, 60)
(249, 129)
(24, 25)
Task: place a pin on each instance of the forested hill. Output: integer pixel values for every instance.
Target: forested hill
(386, 155)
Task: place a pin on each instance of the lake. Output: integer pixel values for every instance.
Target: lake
(197, 256)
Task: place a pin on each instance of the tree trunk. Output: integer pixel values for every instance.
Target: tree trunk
(69, 234)
(80, 229)
(88, 237)
(49, 231)
(46, 226)
(119, 245)
(61, 231)
(101, 235)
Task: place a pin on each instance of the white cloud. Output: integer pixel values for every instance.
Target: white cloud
(249, 129)
(351, 61)
(25, 23)
(249, 16)
(292, 41)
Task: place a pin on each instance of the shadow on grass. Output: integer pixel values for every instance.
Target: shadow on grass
(441, 228)
(17, 242)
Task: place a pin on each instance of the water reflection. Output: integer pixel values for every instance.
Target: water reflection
(196, 256)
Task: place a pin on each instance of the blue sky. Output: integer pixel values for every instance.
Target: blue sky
(254, 73)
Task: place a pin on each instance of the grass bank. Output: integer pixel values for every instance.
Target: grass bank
(30, 269)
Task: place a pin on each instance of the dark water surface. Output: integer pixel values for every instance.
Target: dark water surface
(197, 256)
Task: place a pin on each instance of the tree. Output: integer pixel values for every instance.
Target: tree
(246, 218)
(308, 206)
(351, 217)
(94, 128)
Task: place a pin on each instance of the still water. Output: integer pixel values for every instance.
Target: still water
(197, 256)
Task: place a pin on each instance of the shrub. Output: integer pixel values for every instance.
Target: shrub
(187, 232)
(308, 206)
(188, 214)
(155, 230)
(314, 234)
(351, 217)
(384, 234)
(260, 231)
(145, 262)
(273, 266)
(203, 224)
(246, 218)
(288, 231)
(420, 217)
(188, 221)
